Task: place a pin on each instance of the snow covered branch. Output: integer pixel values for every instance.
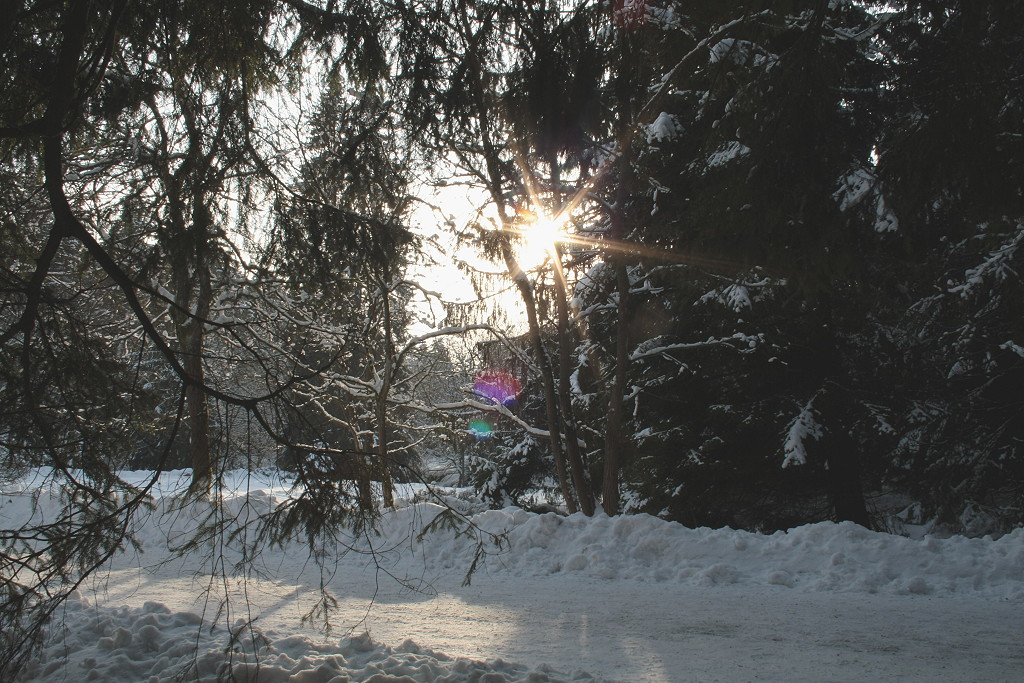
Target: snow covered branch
(744, 343)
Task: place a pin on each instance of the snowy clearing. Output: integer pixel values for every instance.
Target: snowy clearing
(630, 598)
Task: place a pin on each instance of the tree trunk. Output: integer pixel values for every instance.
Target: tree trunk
(843, 476)
(576, 463)
(615, 432)
(577, 466)
(839, 448)
(383, 468)
(844, 486)
(387, 378)
(550, 399)
(198, 415)
(360, 468)
(192, 337)
(364, 483)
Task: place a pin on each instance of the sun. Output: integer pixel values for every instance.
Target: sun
(539, 239)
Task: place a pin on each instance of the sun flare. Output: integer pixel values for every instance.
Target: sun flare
(539, 238)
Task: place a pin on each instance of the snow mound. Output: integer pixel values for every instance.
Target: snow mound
(154, 644)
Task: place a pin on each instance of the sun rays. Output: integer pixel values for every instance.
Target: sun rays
(540, 236)
(548, 225)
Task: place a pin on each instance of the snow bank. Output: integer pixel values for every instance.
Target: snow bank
(817, 557)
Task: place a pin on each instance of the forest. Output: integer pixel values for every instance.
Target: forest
(779, 282)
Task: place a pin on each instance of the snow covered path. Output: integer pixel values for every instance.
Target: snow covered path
(646, 632)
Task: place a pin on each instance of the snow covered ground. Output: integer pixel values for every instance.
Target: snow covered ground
(629, 598)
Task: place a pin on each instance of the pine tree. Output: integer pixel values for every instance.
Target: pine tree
(749, 264)
(953, 157)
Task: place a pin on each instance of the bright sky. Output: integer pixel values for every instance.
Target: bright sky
(453, 209)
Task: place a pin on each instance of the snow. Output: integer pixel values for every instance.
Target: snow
(803, 428)
(726, 49)
(857, 185)
(726, 153)
(656, 346)
(665, 127)
(996, 266)
(885, 218)
(854, 187)
(735, 296)
(557, 598)
(1011, 346)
